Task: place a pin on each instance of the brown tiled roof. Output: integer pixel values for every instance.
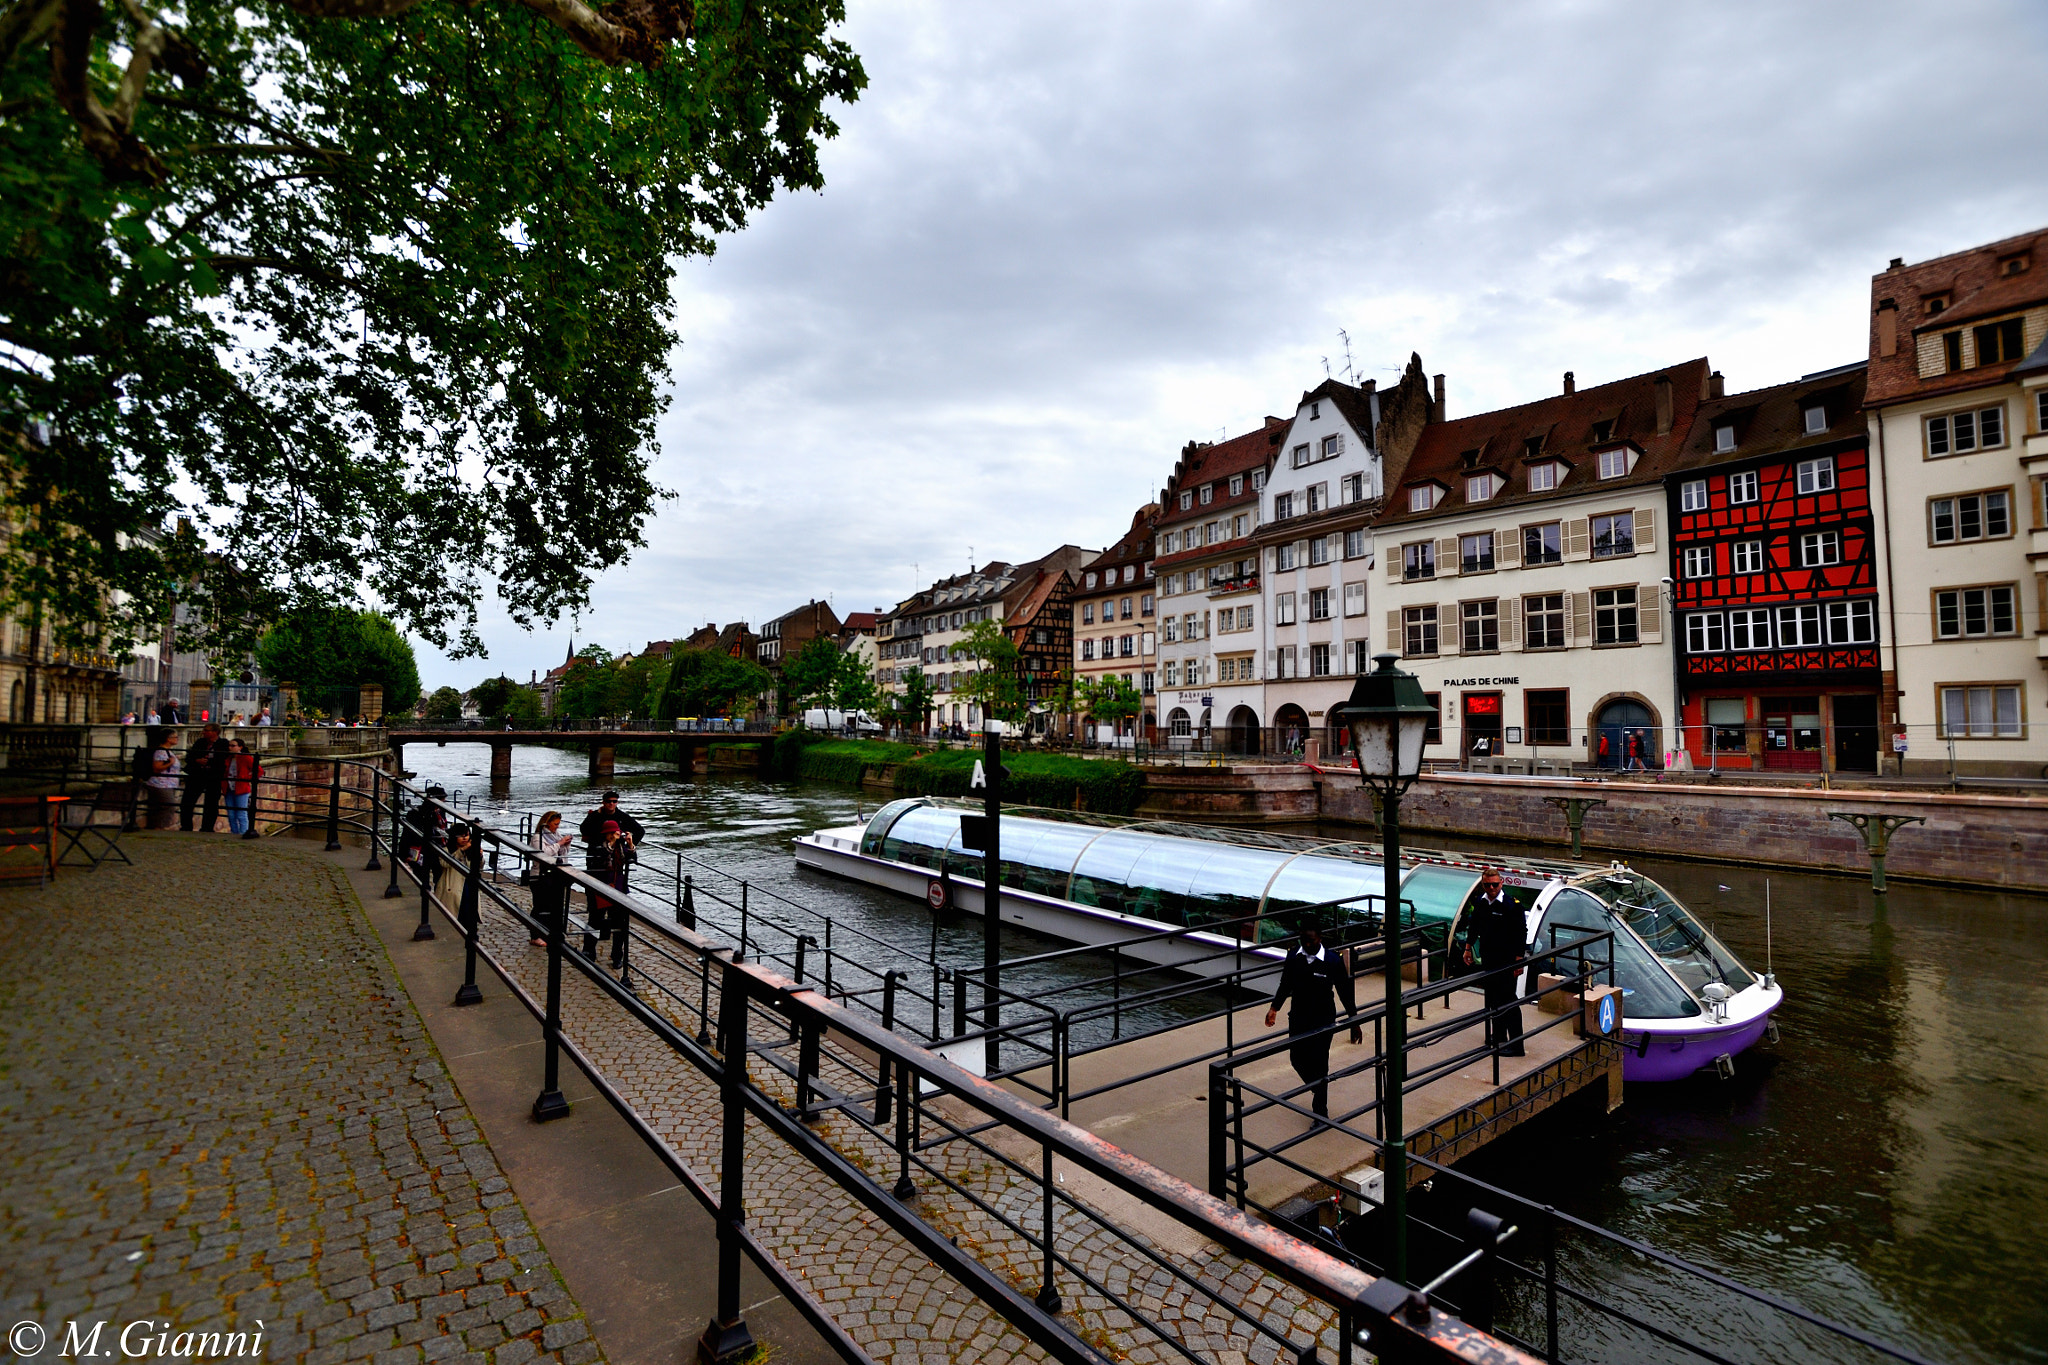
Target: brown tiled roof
(1564, 423)
(1200, 464)
(1975, 286)
(859, 620)
(1135, 547)
(1773, 421)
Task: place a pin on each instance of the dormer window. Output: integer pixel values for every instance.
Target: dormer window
(1423, 498)
(1603, 430)
(1258, 479)
(1614, 463)
(1480, 487)
(1091, 580)
(1543, 477)
(1187, 501)
(1208, 491)
(1236, 484)
(1532, 446)
(2015, 265)
(1816, 419)
(1724, 438)
(1935, 304)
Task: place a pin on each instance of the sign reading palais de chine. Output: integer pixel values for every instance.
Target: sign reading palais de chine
(1482, 682)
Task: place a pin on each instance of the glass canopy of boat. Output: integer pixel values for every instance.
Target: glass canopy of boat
(1172, 874)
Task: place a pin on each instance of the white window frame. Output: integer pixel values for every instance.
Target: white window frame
(1283, 609)
(1481, 487)
(1799, 626)
(1614, 463)
(1815, 475)
(1962, 432)
(1705, 633)
(1752, 627)
(1692, 495)
(1816, 418)
(1622, 605)
(1819, 549)
(1724, 438)
(1747, 557)
(1852, 622)
(1960, 597)
(1996, 726)
(1954, 503)
(1354, 599)
(1697, 561)
(1422, 499)
(1543, 477)
(1743, 488)
(1421, 632)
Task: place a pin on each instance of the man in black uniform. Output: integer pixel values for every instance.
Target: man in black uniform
(206, 766)
(597, 859)
(1315, 977)
(1503, 935)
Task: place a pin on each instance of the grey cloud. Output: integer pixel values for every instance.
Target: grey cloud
(1057, 241)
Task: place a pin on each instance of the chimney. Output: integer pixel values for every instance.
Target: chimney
(1663, 405)
(1898, 263)
(1717, 387)
(1436, 411)
(1571, 385)
(1887, 327)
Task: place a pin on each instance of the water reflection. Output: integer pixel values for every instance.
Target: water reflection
(1886, 1163)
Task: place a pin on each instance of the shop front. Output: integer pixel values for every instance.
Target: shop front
(1788, 729)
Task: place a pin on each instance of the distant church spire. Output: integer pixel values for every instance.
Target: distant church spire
(570, 657)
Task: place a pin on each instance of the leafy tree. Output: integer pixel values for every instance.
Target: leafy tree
(913, 705)
(997, 682)
(1110, 698)
(377, 292)
(493, 696)
(810, 676)
(523, 709)
(705, 682)
(854, 687)
(330, 652)
(586, 689)
(444, 704)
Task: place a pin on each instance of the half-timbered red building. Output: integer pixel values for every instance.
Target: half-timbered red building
(1774, 580)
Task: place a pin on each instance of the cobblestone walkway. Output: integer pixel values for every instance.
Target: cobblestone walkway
(219, 1112)
(900, 1307)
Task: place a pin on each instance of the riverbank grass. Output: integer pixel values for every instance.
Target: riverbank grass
(1106, 786)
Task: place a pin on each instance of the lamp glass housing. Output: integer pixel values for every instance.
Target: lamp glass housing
(1388, 716)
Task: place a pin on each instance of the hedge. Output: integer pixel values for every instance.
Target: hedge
(1108, 786)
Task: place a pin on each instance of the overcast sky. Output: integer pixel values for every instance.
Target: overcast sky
(1057, 241)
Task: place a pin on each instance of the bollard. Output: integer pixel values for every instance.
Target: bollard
(905, 1189)
(882, 1078)
(428, 854)
(686, 911)
(333, 807)
(1877, 831)
(726, 1340)
(467, 993)
(1049, 1290)
(550, 1104)
(391, 892)
(1575, 808)
(376, 788)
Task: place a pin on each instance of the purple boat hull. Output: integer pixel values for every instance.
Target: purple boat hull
(1674, 1056)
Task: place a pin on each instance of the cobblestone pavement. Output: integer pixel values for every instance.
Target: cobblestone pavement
(220, 1112)
(900, 1307)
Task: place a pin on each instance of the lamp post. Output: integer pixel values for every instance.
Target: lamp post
(1389, 716)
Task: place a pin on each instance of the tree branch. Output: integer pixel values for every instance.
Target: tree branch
(25, 24)
(112, 144)
(624, 30)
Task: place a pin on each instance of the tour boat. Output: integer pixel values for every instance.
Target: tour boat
(1688, 1004)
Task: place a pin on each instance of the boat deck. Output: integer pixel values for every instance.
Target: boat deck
(1165, 1119)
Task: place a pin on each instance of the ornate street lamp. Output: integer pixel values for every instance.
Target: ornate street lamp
(1389, 717)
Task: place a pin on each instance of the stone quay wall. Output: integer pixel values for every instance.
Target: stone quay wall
(1989, 840)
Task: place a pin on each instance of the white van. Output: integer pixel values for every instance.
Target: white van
(840, 722)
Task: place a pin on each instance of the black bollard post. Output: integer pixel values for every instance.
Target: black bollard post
(467, 993)
(726, 1340)
(428, 854)
(687, 913)
(391, 892)
(550, 1104)
(882, 1078)
(376, 790)
(905, 1188)
(1049, 1291)
(333, 806)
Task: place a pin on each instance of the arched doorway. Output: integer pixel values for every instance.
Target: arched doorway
(1625, 735)
(1179, 723)
(1290, 728)
(1244, 730)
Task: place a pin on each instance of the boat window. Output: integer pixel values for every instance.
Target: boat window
(1312, 879)
(1648, 992)
(919, 834)
(1229, 883)
(1038, 854)
(879, 824)
(1694, 956)
(1102, 876)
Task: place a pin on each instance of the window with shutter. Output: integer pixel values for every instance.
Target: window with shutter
(1354, 599)
(1649, 610)
(1447, 554)
(1507, 547)
(1577, 543)
(1511, 622)
(1582, 616)
(1646, 528)
(1394, 573)
(1447, 616)
(1394, 627)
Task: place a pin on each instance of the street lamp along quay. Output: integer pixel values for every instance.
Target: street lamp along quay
(1389, 716)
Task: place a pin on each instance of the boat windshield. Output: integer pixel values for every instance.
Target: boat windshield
(1648, 992)
(1681, 942)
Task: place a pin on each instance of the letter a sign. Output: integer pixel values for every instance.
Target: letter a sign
(980, 778)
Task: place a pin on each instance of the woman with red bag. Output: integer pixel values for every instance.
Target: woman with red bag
(238, 788)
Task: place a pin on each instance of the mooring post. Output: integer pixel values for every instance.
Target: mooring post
(1877, 831)
(1575, 808)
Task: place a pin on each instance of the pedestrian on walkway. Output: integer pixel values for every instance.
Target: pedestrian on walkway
(206, 764)
(453, 866)
(238, 788)
(619, 855)
(596, 861)
(165, 777)
(550, 887)
(1503, 934)
(1315, 977)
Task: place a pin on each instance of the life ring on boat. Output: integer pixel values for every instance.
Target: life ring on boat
(936, 894)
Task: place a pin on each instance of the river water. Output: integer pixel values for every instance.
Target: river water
(1885, 1164)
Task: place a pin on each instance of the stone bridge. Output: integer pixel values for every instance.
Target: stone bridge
(692, 747)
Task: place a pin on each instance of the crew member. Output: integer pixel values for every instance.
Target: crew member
(1315, 977)
(1503, 935)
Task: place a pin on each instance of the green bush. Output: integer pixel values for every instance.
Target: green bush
(1106, 786)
